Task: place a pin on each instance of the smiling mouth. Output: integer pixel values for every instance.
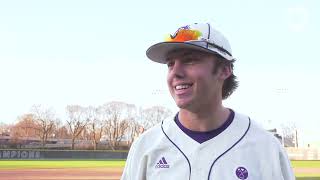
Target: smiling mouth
(182, 86)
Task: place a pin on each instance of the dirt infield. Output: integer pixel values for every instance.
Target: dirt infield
(84, 173)
(62, 174)
(307, 170)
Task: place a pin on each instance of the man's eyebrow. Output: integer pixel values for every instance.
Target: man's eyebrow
(184, 54)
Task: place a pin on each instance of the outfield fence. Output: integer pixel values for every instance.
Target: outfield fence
(56, 154)
(293, 153)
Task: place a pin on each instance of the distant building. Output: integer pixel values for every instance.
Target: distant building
(285, 141)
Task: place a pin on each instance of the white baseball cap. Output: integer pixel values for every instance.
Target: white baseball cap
(197, 36)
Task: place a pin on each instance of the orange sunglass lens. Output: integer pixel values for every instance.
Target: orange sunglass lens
(184, 35)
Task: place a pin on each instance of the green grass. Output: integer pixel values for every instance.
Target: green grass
(16, 164)
(308, 176)
(306, 164)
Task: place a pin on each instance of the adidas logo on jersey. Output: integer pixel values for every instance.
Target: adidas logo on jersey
(162, 163)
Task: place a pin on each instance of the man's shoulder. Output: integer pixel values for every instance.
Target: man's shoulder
(153, 131)
(256, 132)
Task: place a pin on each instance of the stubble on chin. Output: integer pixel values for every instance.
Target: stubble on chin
(183, 105)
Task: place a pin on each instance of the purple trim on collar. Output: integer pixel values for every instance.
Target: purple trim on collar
(201, 137)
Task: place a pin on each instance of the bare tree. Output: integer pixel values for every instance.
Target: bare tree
(77, 121)
(116, 115)
(45, 121)
(24, 127)
(96, 124)
(4, 129)
(62, 132)
(135, 128)
(154, 115)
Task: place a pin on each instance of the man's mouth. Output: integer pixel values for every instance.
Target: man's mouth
(182, 86)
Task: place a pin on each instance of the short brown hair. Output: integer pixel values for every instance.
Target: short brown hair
(231, 83)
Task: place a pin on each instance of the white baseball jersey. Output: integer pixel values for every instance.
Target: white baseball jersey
(242, 151)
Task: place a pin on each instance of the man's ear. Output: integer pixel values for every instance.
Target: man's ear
(225, 72)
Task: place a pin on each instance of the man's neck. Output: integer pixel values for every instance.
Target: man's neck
(204, 120)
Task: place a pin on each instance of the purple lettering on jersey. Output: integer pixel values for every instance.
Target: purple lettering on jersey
(242, 173)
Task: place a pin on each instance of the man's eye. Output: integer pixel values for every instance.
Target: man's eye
(170, 64)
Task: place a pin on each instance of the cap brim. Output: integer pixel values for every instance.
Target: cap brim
(158, 52)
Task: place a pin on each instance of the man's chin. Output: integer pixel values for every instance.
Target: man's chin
(183, 105)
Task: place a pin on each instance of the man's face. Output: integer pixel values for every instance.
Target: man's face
(191, 80)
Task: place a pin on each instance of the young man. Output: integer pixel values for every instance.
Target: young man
(205, 140)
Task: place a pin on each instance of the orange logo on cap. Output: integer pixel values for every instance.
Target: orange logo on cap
(183, 35)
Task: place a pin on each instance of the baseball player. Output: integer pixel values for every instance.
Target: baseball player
(204, 140)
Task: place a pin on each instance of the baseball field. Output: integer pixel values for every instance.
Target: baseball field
(103, 169)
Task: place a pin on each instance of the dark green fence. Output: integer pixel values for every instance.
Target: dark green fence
(63, 154)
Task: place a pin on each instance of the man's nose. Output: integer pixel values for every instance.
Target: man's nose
(178, 70)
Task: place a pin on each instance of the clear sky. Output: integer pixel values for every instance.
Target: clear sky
(58, 53)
